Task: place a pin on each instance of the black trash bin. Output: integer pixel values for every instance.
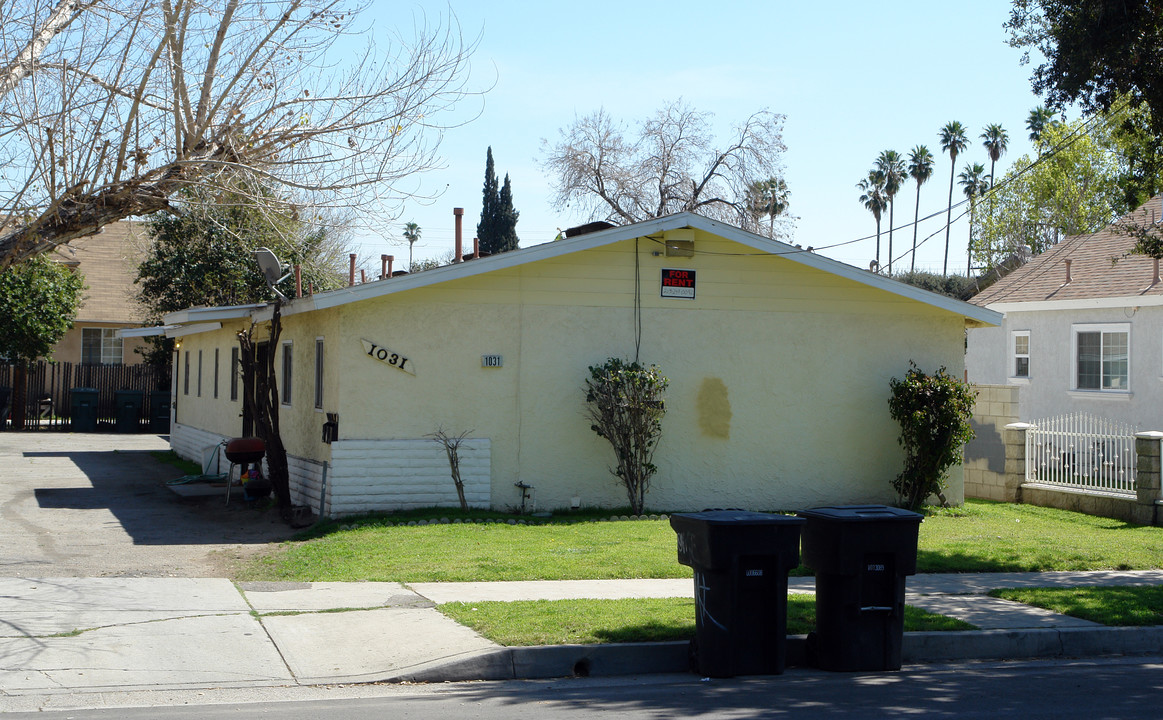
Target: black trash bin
(861, 555)
(159, 411)
(127, 410)
(83, 409)
(741, 560)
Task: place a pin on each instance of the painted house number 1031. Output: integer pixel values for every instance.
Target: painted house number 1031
(387, 357)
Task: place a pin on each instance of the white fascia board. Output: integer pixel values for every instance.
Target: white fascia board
(230, 312)
(145, 331)
(194, 329)
(974, 315)
(1103, 303)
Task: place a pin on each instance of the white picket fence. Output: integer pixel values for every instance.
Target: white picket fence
(1082, 451)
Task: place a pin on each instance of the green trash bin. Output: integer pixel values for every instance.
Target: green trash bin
(159, 411)
(127, 410)
(83, 409)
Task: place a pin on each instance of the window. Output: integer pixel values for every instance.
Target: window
(100, 346)
(215, 373)
(199, 373)
(286, 379)
(1021, 349)
(319, 373)
(234, 371)
(186, 375)
(1101, 357)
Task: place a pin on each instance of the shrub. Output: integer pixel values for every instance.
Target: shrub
(933, 412)
(625, 406)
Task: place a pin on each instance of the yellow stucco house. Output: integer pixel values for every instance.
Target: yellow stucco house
(779, 363)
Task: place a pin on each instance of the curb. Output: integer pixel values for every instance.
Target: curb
(621, 659)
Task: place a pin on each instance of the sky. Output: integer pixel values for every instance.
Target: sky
(852, 78)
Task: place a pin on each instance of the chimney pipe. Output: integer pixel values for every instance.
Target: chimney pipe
(351, 270)
(391, 259)
(362, 276)
(299, 281)
(476, 248)
(1068, 278)
(383, 266)
(459, 256)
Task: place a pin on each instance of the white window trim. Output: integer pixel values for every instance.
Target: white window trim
(286, 397)
(320, 390)
(1014, 378)
(1075, 391)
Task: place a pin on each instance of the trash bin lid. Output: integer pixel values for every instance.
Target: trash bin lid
(738, 517)
(861, 513)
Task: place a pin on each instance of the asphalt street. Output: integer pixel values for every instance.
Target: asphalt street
(1092, 690)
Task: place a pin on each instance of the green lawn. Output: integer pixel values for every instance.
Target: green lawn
(1114, 606)
(981, 537)
(585, 622)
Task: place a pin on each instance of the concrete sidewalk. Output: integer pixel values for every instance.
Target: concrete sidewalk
(100, 634)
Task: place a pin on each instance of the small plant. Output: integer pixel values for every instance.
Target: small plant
(625, 406)
(933, 412)
(451, 444)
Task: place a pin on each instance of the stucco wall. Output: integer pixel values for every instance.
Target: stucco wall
(1049, 390)
(779, 375)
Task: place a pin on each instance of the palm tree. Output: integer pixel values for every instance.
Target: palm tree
(1040, 119)
(873, 196)
(892, 165)
(995, 141)
(953, 141)
(411, 234)
(768, 197)
(973, 184)
(920, 169)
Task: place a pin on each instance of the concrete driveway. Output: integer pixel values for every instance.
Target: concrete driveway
(97, 505)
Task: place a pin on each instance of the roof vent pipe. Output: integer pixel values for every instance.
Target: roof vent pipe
(351, 270)
(383, 266)
(1068, 278)
(391, 259)
(299, 280)
(459, 256)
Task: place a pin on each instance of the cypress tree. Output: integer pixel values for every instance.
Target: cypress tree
(506, 218)
(487, 227)
(497, 229)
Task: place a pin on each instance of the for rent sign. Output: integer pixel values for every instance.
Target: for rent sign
(678, 283)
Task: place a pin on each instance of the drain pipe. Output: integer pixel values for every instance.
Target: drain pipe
(322, 491)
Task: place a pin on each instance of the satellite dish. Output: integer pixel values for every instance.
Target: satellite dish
(272, 270)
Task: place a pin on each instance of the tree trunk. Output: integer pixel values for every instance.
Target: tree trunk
(262, 405)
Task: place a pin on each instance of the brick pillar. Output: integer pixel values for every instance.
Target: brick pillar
(1147, 471)
(1015, 440)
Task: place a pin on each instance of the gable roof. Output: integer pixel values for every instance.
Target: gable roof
(973, 315)
(1102, 272)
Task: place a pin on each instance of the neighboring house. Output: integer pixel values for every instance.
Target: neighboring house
(108, 260)
(779, 363)
(1083, 329)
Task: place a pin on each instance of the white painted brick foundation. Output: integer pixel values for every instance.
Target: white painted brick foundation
(371, 475)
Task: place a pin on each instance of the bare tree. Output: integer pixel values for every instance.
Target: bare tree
(451, 445)
(672, 164)
(111, 106)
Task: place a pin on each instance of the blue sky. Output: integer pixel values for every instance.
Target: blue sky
(852, 78)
